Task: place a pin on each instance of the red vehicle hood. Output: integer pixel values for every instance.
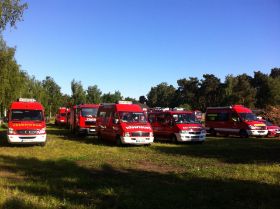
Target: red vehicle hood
(273, 127)
(131, 127)
(189, 126)
(255, 123)
(28, 125)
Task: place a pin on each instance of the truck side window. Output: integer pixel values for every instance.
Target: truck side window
(235, 117)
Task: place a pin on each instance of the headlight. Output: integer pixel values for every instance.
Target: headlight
(183, 132)
(127, 134)
(151, 134)
(42, 131)
(11, 131)
(252, 127)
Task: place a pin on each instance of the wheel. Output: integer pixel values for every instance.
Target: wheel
(174, 139)
(243, 134)
(118, 141)
(213, 132)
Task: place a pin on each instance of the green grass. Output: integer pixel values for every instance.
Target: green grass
(75, 172)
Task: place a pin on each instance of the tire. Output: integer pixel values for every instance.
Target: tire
(174, 139)
(213, 132)
(119, 141)
(243, 134)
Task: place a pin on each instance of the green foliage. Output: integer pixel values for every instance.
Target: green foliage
(93, 95)
(11, 11)
(78, 93)
(161, 96)
(111, 98)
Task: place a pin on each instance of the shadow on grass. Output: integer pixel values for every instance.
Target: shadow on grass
(64, 133)
(230, 150)
(73, 186)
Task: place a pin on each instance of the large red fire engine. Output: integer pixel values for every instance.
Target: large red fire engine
(234, 120)
(26, 122)
(60, 118)
(124, 123)
(176, 125)
(83, 119)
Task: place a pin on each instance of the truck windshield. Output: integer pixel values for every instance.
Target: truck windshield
(129, 117)
(185, 118)
(27, 115)
(89, 112)
(63, 114)
(248, 116)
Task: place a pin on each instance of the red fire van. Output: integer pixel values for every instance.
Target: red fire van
(124, 123)
(176, 125)
(26, 122)
(234, 120)
(60, 118)
(83, 119)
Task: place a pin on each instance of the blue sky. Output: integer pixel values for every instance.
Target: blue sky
(132, 45)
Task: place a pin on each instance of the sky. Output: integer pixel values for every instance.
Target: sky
(133, 45)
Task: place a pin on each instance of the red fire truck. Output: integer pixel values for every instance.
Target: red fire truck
(83, 119)
(176, 125)
(124, 123)
(26, 122)
(234, 120)
(60, 118)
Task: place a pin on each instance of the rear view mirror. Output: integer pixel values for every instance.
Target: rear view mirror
(116, 121)
(5, 119)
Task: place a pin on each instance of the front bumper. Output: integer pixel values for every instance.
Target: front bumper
(190, 137)
(257, 132)
(27, 139)
(137, 140)
(88, 131)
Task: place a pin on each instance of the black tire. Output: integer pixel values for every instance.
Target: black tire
(243, 134)
(213, 132)
(174, 139)
(119, 141)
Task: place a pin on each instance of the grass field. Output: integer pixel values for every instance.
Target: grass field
(76, 173)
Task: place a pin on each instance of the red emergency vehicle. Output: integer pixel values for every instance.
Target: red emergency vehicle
(176, 125)
(83, 119)
(124, 123)
(60, 118)
(234, 120)
(26, 122)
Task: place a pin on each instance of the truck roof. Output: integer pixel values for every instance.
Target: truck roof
(123, 107)
(27, 106)
(174, 112)
(237, 108)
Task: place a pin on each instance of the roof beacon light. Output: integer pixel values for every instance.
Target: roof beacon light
(124, 102)
(26, 100)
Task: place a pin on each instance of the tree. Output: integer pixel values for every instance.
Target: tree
(53, 95)
(210, 92)
(93, 95)
(161, 96)
(261, 83)
(11, 11)
(143, 100)
(188, 93)
(78, 93)
(112, 98)
(243, 92)
(275, 73)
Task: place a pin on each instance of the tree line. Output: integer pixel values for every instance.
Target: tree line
(259, 91)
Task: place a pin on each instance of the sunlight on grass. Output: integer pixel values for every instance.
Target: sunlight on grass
(77, 172)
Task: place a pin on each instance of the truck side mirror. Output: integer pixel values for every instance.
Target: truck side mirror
(5, 119)
(116, 121)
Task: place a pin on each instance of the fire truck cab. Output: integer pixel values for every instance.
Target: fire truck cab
(83, 119)
(176, 125)
(60, 118)
(124, 123)
(26, 122)
(234, 120)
